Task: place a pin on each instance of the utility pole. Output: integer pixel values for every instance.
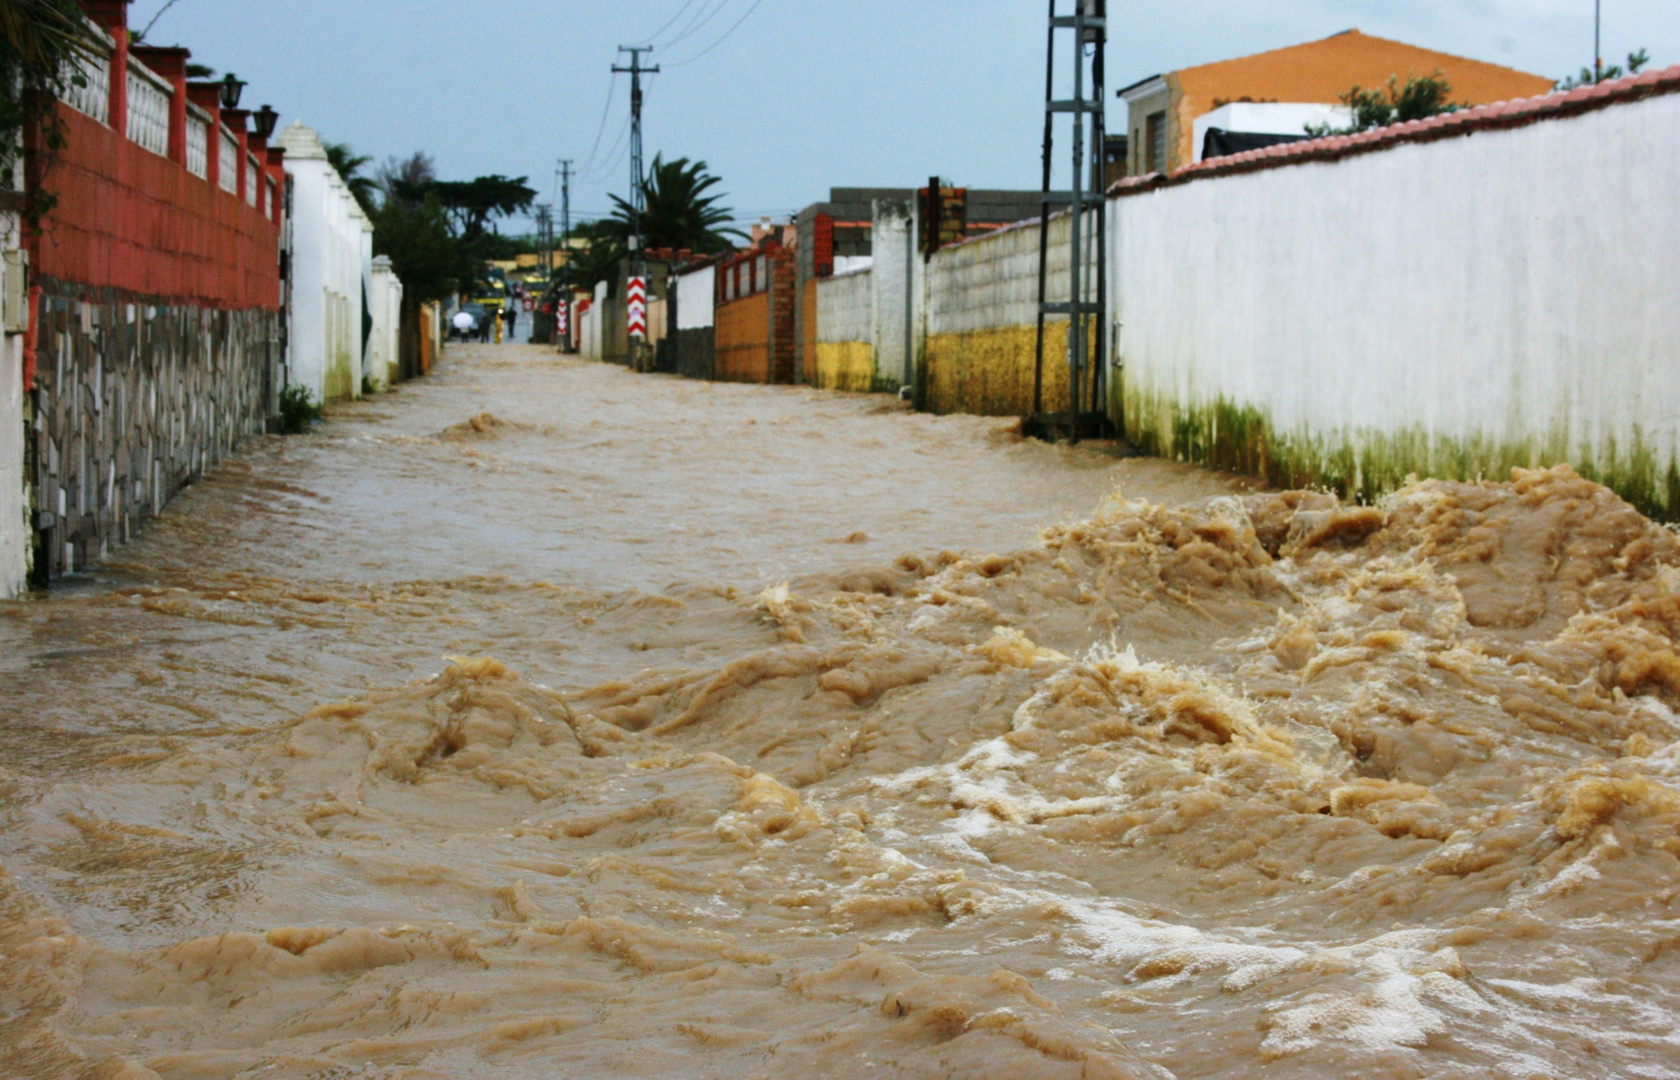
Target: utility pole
(636, 294)
(566, 213)
(1598, 55)
(637, 202)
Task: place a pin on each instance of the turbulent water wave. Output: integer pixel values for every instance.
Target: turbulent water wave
(1262, 785)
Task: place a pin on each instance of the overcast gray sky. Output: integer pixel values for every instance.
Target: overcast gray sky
(785, 98)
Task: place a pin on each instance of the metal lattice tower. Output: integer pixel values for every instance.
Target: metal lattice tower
(1087, 302)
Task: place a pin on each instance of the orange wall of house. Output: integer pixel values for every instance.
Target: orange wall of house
(741, 335)
(1324, 70)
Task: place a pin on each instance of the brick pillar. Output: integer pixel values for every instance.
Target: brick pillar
(781, 314)
(822, 255)
(171, 63)
(112, 16)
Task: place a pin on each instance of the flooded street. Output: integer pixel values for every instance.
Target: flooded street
(542, 719)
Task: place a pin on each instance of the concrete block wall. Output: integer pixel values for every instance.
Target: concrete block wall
(981, 344)
(1496, 290)
(845, 350)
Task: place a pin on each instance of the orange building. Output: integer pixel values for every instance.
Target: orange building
(1162, 110)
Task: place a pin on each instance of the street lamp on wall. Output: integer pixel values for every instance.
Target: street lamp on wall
(264, 120)
(232, 87)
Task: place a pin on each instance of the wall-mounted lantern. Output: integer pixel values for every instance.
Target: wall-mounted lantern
(264, 120)
(232, 87)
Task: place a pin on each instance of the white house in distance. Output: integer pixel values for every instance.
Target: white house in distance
(331, 248)
(1268, 118)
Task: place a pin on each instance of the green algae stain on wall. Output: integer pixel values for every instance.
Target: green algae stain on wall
(1363, 466)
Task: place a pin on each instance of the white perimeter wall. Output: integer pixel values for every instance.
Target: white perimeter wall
(894, 273)
(14, 504)
(845, 306)
(694, 299)
(1510, 289)
(385, 307)
(589, 325)
(330, 256)
(15, 531)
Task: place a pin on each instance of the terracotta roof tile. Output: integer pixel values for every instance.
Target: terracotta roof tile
(1500, 114)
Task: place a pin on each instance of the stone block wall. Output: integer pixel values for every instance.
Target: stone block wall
(132, 402)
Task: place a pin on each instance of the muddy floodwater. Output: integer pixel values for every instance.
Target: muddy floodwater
(545, 720)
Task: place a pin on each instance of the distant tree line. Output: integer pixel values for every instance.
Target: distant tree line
(441, 234)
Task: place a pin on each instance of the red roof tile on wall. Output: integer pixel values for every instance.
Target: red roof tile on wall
(1500, 114)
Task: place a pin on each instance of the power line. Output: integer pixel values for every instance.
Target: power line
(601, 128)
(614, 155)
(651, 37)
(700, 19)
(737, 25)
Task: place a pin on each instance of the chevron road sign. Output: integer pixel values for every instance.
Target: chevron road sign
(636, 307)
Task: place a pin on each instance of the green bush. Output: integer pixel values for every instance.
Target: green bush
(298, 410)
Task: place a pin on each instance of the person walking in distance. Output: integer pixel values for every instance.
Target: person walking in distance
(510, 319)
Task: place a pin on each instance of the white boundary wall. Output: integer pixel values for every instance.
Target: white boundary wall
(16, 533)
(385, 307)
(1507, 297)
(845, 304)
(331, 261)
(695, 298)
(589, 324)
(894, 274)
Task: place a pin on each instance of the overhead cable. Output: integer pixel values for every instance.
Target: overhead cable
(696, 23)
(601, 128)
(736, 26)
(651, 38)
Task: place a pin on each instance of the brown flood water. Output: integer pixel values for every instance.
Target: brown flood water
(545, 720)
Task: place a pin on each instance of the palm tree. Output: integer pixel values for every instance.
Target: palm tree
(43, 46)
(349, 165)
(38, 36)
(679, 213)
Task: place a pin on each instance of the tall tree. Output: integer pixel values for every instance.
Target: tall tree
(473, 204)
(680, 213)
(411, 174)
(423, 252)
